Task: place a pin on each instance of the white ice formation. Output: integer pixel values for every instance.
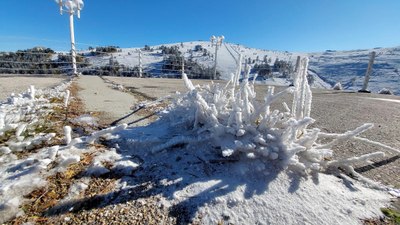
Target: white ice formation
(231, 119)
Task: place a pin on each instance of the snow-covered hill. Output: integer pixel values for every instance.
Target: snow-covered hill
(326, 68)
(349, 67)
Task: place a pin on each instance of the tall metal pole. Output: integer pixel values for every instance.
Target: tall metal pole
(183, 65)
(74, 7)
(73, 50)
(215, 63)
(218, 42)
(369, 71)
(296, 69)
(140, 63)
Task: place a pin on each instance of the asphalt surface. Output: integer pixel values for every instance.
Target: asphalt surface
(113, 105)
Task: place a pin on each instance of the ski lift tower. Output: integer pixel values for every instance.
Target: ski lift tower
(217, 42)
(73, 7)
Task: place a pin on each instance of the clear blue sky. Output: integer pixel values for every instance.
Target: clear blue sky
(292, 25)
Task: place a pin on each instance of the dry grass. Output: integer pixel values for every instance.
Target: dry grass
(41, 200)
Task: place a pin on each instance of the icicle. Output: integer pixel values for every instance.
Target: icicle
(66, 98)
(21, 128)
(348, 135)
(302, 96)
(100, 133)
(188, 83)
(67, 134)
(32, 92)
(353, 160)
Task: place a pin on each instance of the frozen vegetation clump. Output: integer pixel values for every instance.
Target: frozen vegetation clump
(22, 118)
(233, 122)
(385, 91)
(338, 86)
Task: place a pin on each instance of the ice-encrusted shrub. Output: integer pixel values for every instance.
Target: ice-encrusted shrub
(385, 91)
(338, 86)
(231, 119)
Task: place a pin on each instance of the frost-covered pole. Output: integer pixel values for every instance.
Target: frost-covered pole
(296, 69)
(73, 7)
(217, 41)
(140, 63)
(369, 71)
(183, 66)
(246, 64)
(73, 50)
(302, 96)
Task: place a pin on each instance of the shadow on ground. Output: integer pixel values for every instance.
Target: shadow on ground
(188, 175)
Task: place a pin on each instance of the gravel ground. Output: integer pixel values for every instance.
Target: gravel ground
(142, 211)
(18, 84)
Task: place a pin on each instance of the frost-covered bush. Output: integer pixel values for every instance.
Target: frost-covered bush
(385, 91)
(338, 86)
(231, 119)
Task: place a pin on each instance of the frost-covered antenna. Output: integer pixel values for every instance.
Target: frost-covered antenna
(73, 7)
(140, 63)
(217, 42)
(60, 3)
(368, 73)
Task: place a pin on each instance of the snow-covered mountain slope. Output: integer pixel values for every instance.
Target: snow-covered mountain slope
(326, 68)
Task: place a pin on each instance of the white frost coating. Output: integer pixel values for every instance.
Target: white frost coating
(67, 159)
(124, 167)
(100, 133)
(67, 134)
(75, 141)
(378, 144)
(188, 83)
(19, 177)
(395, 192)
(21, 128)
(385, 91)
(5, 150)
(338, 86)
(66, 98)
(32, 92)
(347, 136)
(120, 165)
(363, 158)
(229, 118)
(302, 95)
(52, 152)
(9, 209)
(76, 189)
(2, 123)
